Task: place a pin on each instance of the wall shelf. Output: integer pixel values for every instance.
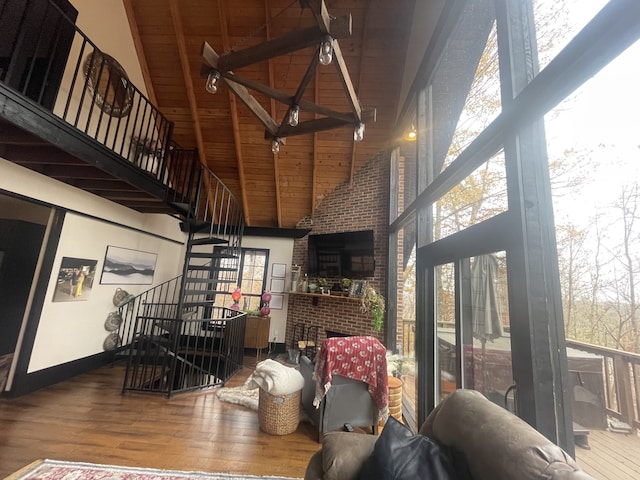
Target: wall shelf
(316, 296)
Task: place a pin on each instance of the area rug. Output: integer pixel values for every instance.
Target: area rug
(243, 395)
(58, 470)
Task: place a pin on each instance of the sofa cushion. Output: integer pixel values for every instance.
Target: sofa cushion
(497, 444)
(343, 454)
(399, 454)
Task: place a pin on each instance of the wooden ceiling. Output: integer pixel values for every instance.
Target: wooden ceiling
(275, 190)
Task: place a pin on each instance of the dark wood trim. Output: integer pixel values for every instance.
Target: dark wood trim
(21, 381)
(59, 373)
(275, 232)
(288, 43)
(30, 117)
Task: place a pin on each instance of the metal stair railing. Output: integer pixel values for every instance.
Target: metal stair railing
(167, 352)
(176, 336)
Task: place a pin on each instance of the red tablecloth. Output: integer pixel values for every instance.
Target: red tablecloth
(360, 358)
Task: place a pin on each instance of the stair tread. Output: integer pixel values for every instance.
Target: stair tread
(209, 268)
(209, 241)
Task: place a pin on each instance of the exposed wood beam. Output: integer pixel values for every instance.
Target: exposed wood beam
(314, 173)
(188, 79)
(323, 19)
(311, 126)
(343, 73)
(39, 154)
(288, 43)
(363, 41)
(142, 59)
(306, 105)
(276, 157)
(234, 115)
(210, 56)
(295, 100)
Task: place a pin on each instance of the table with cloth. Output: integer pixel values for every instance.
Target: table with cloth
(360, 358)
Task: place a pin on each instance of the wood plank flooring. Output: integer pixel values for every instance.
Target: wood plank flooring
(613, 456)
(87, 419)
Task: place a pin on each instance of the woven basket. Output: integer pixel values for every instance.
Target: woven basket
(278, 415)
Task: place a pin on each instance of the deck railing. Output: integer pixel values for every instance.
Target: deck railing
(621, 378)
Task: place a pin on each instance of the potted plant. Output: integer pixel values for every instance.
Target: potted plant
(346, 285)
(372, 302)
(323, 284)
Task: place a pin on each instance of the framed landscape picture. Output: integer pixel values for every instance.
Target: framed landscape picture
(124, 266)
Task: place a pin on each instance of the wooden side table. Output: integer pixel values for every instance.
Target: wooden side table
(395, 398)
(256, 333)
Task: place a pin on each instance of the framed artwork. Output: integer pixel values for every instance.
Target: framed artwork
(75, 279)
(279, 270)
(276, 301)
(357, 288)
(277, 285)
(123, 266)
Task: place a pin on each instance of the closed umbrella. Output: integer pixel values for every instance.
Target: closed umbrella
(485, 305)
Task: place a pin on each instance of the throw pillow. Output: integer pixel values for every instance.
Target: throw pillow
(401, 455)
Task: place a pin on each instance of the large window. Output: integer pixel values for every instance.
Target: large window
(253, 277)
(485, 176)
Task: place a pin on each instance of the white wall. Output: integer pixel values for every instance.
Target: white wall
(75, 329)
(71, 330)
(280, 251)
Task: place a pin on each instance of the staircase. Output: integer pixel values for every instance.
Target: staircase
(94, 130)
(180, 336)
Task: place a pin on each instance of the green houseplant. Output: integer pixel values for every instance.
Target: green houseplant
(372, 302)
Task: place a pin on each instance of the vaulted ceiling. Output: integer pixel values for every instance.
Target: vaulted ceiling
(276, 190)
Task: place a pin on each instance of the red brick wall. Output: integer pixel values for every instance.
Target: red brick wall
(361, 205)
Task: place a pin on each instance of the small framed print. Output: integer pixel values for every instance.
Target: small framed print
(276, 301)
(277, 285)
(279, 270)
(357, 288)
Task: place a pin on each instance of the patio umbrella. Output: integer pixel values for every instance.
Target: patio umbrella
(485, 306)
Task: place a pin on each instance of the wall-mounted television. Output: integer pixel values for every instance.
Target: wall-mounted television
(346, 254)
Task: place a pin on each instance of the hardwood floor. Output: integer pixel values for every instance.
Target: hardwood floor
(87, 419)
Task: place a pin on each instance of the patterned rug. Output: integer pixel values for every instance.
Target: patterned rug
(57, 470)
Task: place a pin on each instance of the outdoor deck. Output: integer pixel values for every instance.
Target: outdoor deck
(613, 456)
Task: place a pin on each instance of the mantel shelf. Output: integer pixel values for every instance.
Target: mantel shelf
(320, 295)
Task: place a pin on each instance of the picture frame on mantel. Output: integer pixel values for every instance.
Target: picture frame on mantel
(357, 288)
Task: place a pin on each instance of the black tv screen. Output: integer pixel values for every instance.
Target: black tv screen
(347, 254)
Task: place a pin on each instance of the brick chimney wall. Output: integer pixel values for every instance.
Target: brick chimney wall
(361, 205)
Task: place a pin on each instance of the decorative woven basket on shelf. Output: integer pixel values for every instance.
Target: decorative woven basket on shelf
(278, 415)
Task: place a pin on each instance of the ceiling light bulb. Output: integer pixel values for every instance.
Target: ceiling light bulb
(326, 51)
(411, 135)
(358, 132)
(294, 115)
(275, 145)
(212, 82)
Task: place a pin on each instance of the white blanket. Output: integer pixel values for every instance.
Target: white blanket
(275, 378)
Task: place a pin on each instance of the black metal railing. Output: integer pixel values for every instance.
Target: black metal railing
(170, 348)
(45, 57)
(220, 211)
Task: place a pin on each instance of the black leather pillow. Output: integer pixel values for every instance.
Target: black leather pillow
(401, 455)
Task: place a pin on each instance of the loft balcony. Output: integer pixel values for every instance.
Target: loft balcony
(68, 111)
